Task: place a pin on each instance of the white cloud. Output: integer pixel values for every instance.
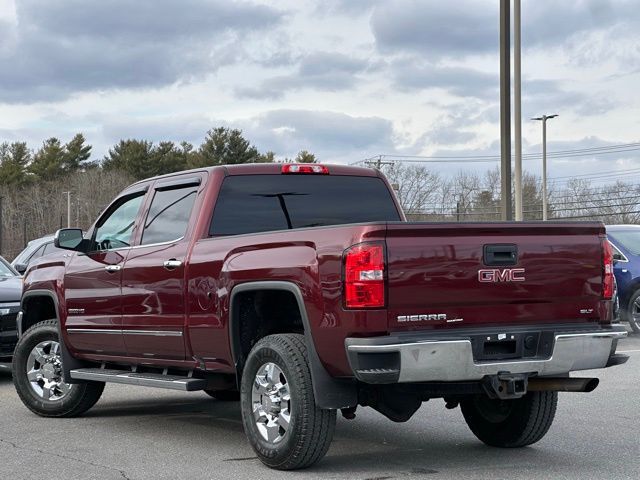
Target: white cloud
(344, 79)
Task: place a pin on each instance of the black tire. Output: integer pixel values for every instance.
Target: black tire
(310, 429)
(224, 395)
(510, 423)
(633, 311)
(79, 398)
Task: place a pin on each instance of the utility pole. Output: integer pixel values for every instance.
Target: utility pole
(544, 119)
(377, 163)
(68, 209)
(517, 115)
(505, 110)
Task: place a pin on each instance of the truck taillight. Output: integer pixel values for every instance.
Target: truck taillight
(607, 270)
(307, 168)
(364, 276)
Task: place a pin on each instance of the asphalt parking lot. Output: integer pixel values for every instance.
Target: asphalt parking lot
(140, 433)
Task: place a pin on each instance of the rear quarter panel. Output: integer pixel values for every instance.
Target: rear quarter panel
(309, 258)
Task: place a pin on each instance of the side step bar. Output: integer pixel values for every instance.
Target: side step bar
(5, 366)
(159, 380)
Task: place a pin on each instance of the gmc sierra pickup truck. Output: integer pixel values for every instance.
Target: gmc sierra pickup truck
(301, 290)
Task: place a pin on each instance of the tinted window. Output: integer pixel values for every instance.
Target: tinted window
(115, 230)
(260, 203)
(169, 214)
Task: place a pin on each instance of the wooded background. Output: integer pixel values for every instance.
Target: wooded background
(33, 185)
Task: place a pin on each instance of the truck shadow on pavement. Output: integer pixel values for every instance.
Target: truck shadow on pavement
(369, 447)
(5, 377)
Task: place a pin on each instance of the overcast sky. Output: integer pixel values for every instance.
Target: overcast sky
(345, 79)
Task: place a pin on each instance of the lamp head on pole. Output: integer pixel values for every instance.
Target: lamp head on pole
(545, 117)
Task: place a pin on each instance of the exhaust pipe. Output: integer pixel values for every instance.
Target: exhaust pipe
(537, 384)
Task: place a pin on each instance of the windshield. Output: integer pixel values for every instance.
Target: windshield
(5, 271)
(25, 255)
(629, 239)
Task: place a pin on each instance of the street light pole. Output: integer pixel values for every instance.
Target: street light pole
(544, 119)
(517, 116)
(505, 110)
(68, 209)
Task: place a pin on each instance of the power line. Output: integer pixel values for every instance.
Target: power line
(599, 215)
(590, 149)
(601, 178)
(598, 173)
(604, 150)
(436, 159)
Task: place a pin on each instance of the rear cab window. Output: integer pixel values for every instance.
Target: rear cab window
(262, 203)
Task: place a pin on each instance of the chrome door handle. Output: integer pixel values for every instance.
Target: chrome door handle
(113, 268)
(171, 264)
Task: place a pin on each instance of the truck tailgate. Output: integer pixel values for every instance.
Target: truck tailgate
(471, 275)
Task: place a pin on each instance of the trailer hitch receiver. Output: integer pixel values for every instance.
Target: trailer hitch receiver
(506, 385)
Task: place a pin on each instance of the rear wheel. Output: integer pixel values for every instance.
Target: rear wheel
(510, 423)
(633, 311)
(37, 376)
(282, 422)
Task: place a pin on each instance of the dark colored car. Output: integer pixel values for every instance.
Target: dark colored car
(10, 293)
(35, 249)
(625, 240)
(302, 290)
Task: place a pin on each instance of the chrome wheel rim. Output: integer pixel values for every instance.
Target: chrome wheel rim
(44, 371)
(271, 401)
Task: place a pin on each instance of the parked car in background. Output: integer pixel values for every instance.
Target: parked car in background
(625, 240)
(10, 293)
(35, 249)
(616, 303)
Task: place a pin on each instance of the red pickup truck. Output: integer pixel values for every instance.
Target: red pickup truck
(301, 290)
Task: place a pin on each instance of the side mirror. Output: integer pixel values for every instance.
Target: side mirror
(69, 239)
(20, 268)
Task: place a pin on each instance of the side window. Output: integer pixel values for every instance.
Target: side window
(115, 230)
(168, 215)
(618, 254)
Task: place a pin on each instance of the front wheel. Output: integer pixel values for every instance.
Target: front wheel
(280, 417)
(510, 423)
(37, 376)
(633, 311)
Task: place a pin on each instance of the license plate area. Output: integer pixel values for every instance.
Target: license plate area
(505, 346)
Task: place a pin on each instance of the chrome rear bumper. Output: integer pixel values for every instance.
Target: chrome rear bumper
(450, 360)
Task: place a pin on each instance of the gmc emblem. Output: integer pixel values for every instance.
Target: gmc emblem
(493, 275)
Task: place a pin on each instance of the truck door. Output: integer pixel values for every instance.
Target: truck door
(92, 281)
(153, 277)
